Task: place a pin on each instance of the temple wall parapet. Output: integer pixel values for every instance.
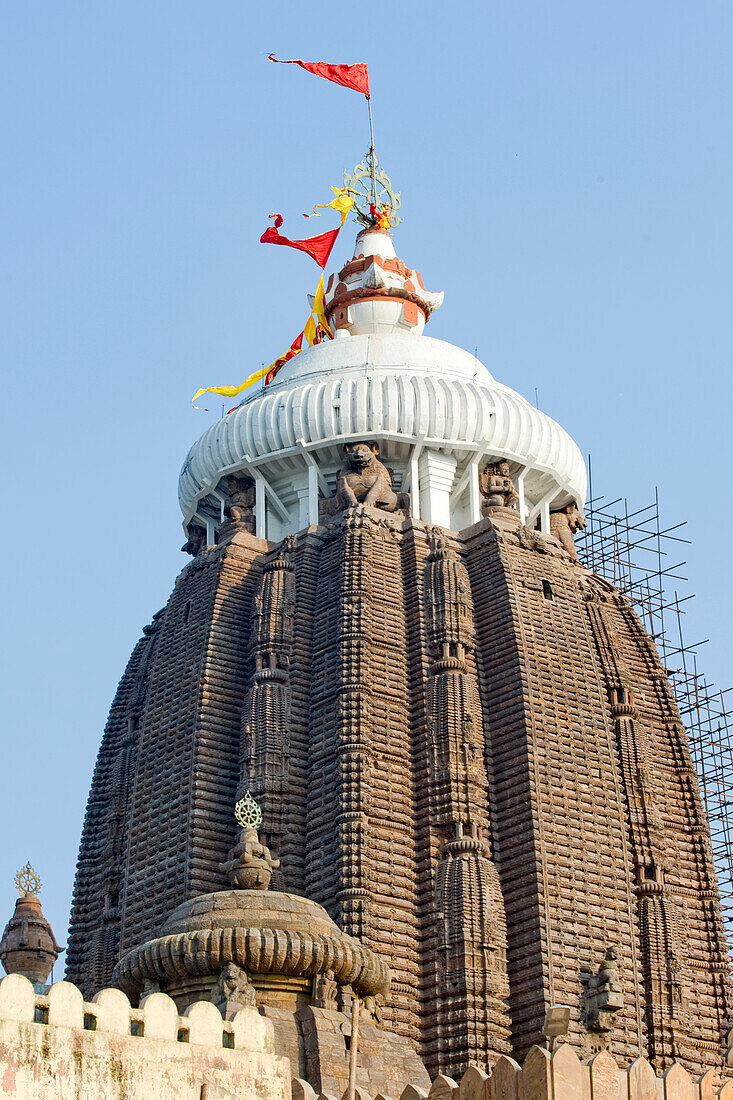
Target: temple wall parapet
(58, 1045)
(557, 1076)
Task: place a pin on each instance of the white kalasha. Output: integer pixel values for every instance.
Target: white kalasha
(436, 412)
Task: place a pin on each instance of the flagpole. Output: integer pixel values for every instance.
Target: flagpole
(371, 151)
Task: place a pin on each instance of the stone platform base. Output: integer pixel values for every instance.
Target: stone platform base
(317, 1042)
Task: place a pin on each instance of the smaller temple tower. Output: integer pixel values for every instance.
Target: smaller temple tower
(28, 945)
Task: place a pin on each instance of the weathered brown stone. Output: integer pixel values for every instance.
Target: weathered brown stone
(28, 945)
(466, 750)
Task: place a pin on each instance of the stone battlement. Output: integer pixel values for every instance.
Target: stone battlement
(58, 1045)
(557, 1076)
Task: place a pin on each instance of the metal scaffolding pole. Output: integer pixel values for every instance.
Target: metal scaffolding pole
(631, 549)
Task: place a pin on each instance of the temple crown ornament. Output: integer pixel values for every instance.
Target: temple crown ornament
(248, 812)
(371, 187)
(27, 882)
(250, 864)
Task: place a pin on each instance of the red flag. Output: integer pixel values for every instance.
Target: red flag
(348, 76)
(283, 359)
(318, 248)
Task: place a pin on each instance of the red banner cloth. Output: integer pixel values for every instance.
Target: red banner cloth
(318, 247)
(348, 76)
(283, 359)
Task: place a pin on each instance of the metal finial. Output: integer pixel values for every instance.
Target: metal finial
(248, 813)
(28, 882)
(371, 185)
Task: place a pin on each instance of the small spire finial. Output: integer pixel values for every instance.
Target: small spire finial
(27, 882)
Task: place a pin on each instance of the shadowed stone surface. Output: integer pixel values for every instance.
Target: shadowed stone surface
(466, 750)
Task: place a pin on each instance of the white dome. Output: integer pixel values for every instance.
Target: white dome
(434, 409)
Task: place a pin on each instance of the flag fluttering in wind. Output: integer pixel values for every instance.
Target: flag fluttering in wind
(318, 247)
(316, 330)
(348, 76)
(316, 327)
(343, 203)
(266, 372)
(231, 391)
(281, 360)
(319, 308)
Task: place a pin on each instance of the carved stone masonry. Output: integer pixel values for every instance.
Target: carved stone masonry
(665, 993)
(485, 785)
(471, 972)
(196, 541)
(325, 991)
(250, 864)
(265, 740)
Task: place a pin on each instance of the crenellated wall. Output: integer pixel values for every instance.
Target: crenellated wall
(56, 1046)
(59, 1047)
(557, 1076)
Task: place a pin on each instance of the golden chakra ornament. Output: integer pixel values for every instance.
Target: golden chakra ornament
(248, 813)
(27, 882)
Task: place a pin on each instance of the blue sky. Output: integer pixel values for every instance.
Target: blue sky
(565, 173)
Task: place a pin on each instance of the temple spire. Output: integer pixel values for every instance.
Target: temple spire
(28, 945)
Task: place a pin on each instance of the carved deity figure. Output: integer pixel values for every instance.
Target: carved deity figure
(325, 990)
(374, 1008)
(497, 487)
(233, 991)
(604, 996)
(564, 525)
(250, 864)
(239, 508)
(364, 480)
(196, 540)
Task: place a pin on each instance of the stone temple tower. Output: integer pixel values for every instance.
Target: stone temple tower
(469, 759)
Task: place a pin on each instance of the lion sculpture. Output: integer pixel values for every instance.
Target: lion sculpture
(233, 991)
(364, 480)
(566, 523)
(196, 540)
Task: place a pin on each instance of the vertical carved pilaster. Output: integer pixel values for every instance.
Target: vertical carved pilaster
(471, 975)
(660, 931)
(685, 957)
(265, 743)
(354, 724)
